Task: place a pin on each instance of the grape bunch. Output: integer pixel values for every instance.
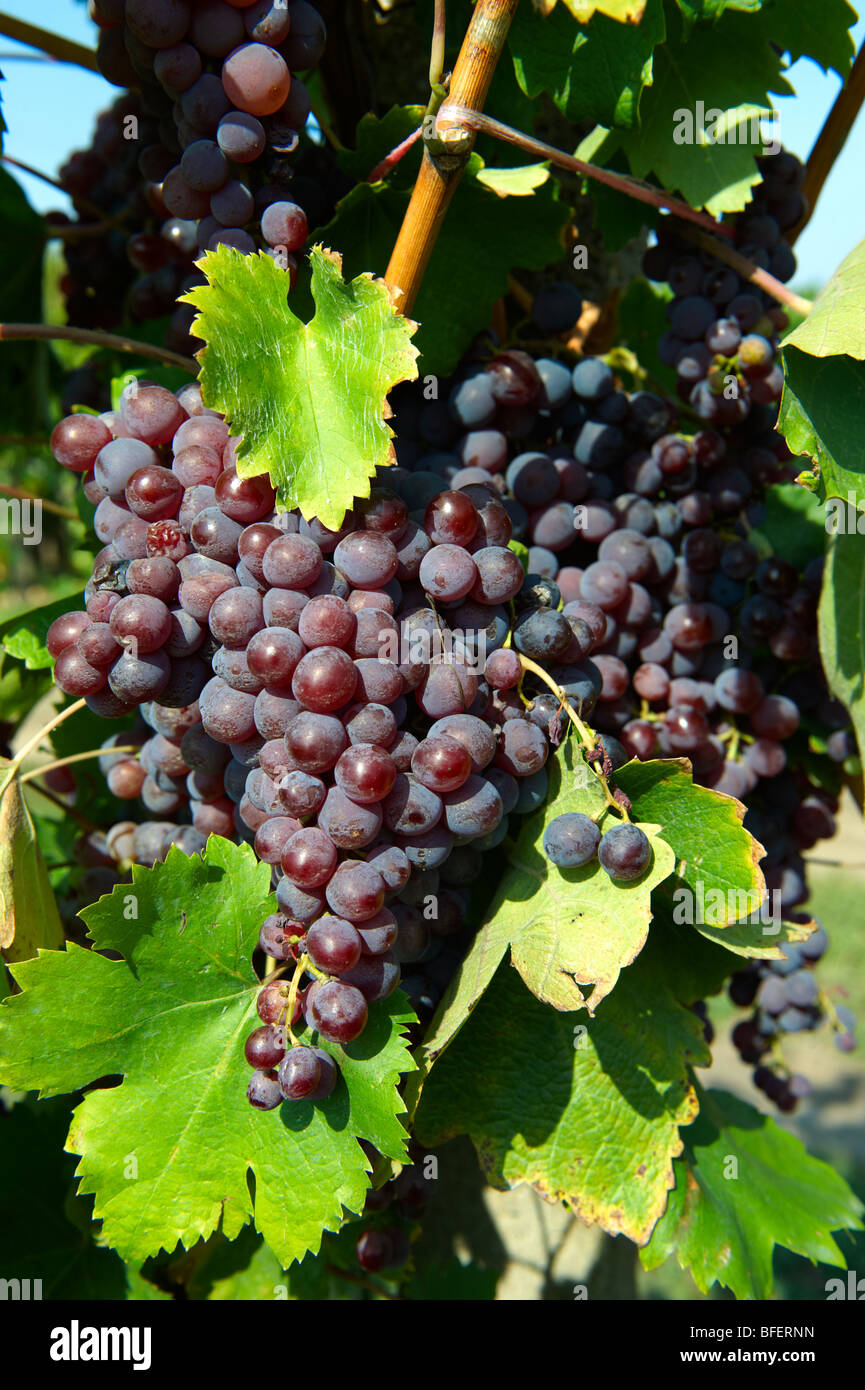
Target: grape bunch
(203, 151)
(370, 707)
(722, 339)
(342, 700)
(786, 998)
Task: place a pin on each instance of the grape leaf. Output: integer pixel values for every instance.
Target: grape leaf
(824, 382)
(308, 398)
(47, 1232)
(714, 851)
(730, 67)
(537, 911)
(821, 416)
(625, 11)
(841, 625)
(586, 1112)
(376, 136)
(795, 523)
(594, 72)
(571, 927)
(24, 635)
(140, 1290)
(169, 1153)
(743, 1186)
(817, 29)
(28, 913)
(459, 286)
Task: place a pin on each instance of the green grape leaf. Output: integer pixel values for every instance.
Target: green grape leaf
(824, 383)
(24, 635)
(29, 919)
(714, 851)
(376, 136)
(743, 1186)
(841, 624)
(795, 524)
(47, 1232)
(587, 1112)
(725, 71)
(834, 326)
(712, 9)
(140, 1290)
(308, 398)
(595, 71)
(821, 414)
(572, 927)
(168, 1154)
(521, 181)
(817, 29)
(460, 284)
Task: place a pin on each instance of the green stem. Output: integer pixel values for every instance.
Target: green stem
(74, 758)
(64, 50)
(587, 737)
(18, 332)
(12, 768)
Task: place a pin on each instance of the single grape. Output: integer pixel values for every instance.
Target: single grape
(571, 840)
(624, 852)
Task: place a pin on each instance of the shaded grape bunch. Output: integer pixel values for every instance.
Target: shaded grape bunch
(724, 330)
(785, 998)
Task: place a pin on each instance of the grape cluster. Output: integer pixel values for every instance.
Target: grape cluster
(201, 153)
(722, 340)
(370, 706)
(786, 998)
(343, 700)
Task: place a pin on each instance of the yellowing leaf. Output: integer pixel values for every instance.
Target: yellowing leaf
(625, 11)
(28, 913)
(308, 398)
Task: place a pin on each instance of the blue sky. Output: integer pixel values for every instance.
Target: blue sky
(49, 109)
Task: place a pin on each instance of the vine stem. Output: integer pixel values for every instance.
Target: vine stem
(70, 811)
(362, 1283)
(831, 140)
(64, 50)
(437, 48)
(445, 158)
(43, 501)
(73, 758)
(16, 332)
(748, 270)
(12, 767)
(623, 183)
(587, 738)
(391, 160)
(83, 203)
